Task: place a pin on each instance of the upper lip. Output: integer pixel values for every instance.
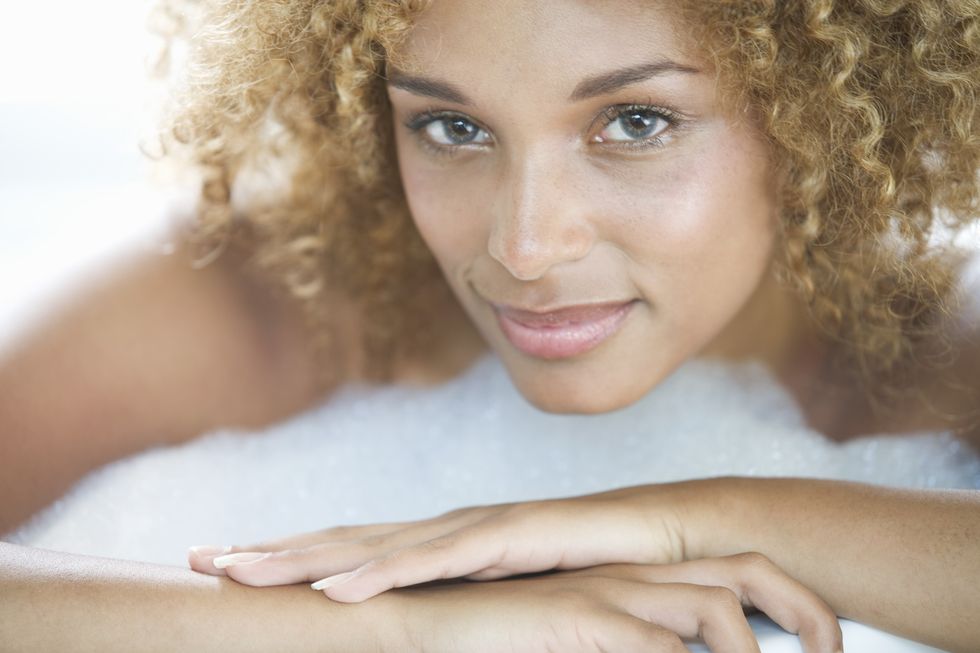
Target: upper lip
(571, 313)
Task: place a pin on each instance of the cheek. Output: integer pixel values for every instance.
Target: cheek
(443, 204)
(699, 232)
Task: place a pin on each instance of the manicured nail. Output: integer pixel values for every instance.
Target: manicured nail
(209, 550)
(332, 581)
(244, 558)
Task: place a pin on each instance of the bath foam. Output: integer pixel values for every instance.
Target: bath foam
(394, 453)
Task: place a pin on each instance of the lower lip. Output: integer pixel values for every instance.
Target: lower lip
(566, 340)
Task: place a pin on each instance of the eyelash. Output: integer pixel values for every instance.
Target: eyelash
(418, 122)
(611, 114)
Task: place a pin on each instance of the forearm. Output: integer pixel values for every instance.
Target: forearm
(56, 601)
(906, 561)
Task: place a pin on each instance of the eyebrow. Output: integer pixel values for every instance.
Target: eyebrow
(428, 87)
(589, 87)
(614, 80)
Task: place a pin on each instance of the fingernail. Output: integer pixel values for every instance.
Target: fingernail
(209, 550)
(244, 558)
(332, 581)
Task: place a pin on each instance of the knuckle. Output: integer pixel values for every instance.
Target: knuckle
(670, 642)
(663, 641)
(339, 532)
(435, 546)
(821, 619)
(753, 561)
(469, 513)
(376, 541)
(458, 512)
(570, 599)
(722, 602)
(520, 510)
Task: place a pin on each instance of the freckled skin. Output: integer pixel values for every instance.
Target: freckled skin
(544, 216)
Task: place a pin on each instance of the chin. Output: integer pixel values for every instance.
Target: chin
(579, 392)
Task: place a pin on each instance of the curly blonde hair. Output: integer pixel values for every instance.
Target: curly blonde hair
(868, 105)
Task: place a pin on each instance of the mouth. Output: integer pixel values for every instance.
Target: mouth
(564, 332)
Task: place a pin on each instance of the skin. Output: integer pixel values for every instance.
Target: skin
(536, 213)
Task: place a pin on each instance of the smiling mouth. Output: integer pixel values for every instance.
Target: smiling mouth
(562, 333)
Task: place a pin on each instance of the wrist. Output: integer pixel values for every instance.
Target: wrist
(384, 624)
(711, 514)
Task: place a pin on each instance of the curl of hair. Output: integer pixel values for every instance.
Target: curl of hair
(869, 106)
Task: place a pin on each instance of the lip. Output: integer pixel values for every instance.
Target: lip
(563, 332)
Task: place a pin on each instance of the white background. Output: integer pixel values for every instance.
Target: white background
(74, 104)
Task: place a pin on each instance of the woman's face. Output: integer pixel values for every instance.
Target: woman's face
(599, 216)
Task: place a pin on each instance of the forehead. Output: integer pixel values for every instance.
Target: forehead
(518, 40)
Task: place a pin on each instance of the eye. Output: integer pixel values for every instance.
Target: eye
(448, 130)
(633, 125)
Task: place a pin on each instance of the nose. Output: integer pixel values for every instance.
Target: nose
(541, 219)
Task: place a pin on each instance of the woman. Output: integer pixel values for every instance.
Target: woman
(607, 192)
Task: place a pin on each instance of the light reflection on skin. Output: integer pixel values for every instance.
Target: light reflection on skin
(551, 204)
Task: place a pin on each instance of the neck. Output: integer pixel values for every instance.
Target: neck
(773, 328)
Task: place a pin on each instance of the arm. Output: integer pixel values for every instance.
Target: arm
(56, 601)
(153, 352)
(906, 561)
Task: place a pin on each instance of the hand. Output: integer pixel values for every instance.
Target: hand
(634, 525)
(615, 608)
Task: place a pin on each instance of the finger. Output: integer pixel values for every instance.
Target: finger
(503, 544)
(294, 565)
(437, 559)
(712, 614)
(788, 602)
(201, 557)
(332, 534)
(268, 565)
(617, 632)
(758, 583)
(444, 522)
(496, 545)
(493, 573)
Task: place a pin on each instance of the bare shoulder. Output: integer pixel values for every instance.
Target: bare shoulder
(151, 351)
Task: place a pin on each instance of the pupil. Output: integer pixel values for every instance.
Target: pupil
(461, 131)
(637, 125)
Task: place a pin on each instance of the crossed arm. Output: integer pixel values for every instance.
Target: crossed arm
(904, 561)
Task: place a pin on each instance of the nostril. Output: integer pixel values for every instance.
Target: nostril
(523, 260)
